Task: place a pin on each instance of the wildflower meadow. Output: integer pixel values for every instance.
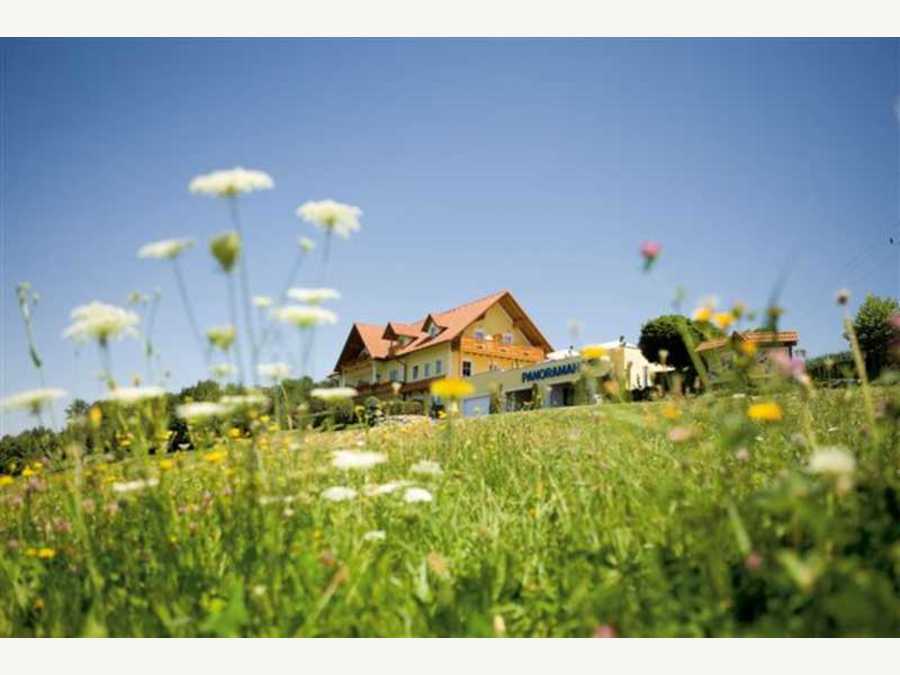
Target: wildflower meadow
(263, 503)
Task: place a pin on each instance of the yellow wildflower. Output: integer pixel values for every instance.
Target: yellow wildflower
(166, 464)
(671, 411)
(702, 314)
(441, 414)
(46, 553)
(264, 419)
(593, 352)
(31, 552)
(28, 472)
(95, 415)
(765, 412)
(6, 480)
(724, 319)
(214, 457)
(747, 348)
(234, 432)
(452, 388)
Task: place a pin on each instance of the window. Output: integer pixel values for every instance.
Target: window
(378, 377)
(507, 338)
(395, 376)
(433, 330)
(479, 333)
(438, 367)
(415, 373)
(466, 368)
(427, 370)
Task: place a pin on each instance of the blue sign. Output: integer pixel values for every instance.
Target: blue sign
(550, 371)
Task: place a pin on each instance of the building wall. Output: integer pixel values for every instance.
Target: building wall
(496, 322)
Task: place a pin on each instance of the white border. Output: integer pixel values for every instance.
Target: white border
(385, 18)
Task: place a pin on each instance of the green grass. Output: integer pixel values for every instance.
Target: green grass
(547, 523)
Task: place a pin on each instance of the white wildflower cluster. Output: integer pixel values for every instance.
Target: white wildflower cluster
(331, 216)
(244, 401)
(305, 316)
(231, 182)
(333, 393)
(426, 468)
(166, 249)
(33, 400)
(134, 485)
(836, 464)
(262, 301)
(374, 535)
(415, 495)
(274, 371)
(313, 296)
(385, 488)
(338, 493)
(133, 395)
(356, 460)
(201, 410)
(101, 322)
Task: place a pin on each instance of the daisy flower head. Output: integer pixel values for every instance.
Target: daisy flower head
(167, 249)
(313, 296)
(33, 400)
(133, 395)
(231, 182)
(305, 316)
(101, 322)
(426, 468)
(221, 337)
(832, 461)
(351, 460)
(338, 493)
(201, 410)
(333, 393)
(331, 216)
(274, 371)
(416, 495)
(243, 401)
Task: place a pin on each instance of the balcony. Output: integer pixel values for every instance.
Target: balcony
(498, 350)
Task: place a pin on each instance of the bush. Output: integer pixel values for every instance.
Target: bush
(397, 407)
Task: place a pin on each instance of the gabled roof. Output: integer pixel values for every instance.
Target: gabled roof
(783, 337)
(377, 338)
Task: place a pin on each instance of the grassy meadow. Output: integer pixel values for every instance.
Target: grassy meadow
(674, 518)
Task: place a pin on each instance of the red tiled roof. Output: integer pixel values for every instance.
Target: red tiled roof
(452, 322)
(784, 337)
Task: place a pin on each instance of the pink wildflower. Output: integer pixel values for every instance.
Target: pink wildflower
(650, 251)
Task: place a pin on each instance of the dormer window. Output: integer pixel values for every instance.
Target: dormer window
(433, 330)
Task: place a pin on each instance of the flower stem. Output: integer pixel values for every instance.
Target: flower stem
(245, 287)
(861, 371)
(232, 309)
(188, 308)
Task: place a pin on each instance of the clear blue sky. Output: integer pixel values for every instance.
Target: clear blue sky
(533, 165)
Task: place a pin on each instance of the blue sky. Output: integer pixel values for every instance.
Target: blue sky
(533, 165)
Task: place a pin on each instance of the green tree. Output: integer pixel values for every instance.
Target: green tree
(874, 331)
(664, 333)
(77, 409)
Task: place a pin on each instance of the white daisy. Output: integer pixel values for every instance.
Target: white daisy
(305, 316)
(201, 410)
(339, 493)
(333, 393)
(416, 494)
(352, 459)
(221, 336)
(101, 322)
(374, 535)
(33, 400)
(313, 296)
(165, 249)
(134, 485)
(130, 395)
(231, 182)
(427, 468)
(274, 371)
(833, 461)
(248, 400)
(331, 216)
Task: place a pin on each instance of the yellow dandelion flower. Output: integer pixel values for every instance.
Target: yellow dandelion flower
(234, 432)
(703, 314)
(28, 472)
(452, 388)
(724, 319)
(31, 552)
(46, 553)
(765, 412)
(6, 480)
(167, 464)
(214, 457)
(264, 419)
(593, 352)
(441, 414)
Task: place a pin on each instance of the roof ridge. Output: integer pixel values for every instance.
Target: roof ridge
(471, 302)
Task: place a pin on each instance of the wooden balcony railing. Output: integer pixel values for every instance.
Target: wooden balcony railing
(492, 348)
